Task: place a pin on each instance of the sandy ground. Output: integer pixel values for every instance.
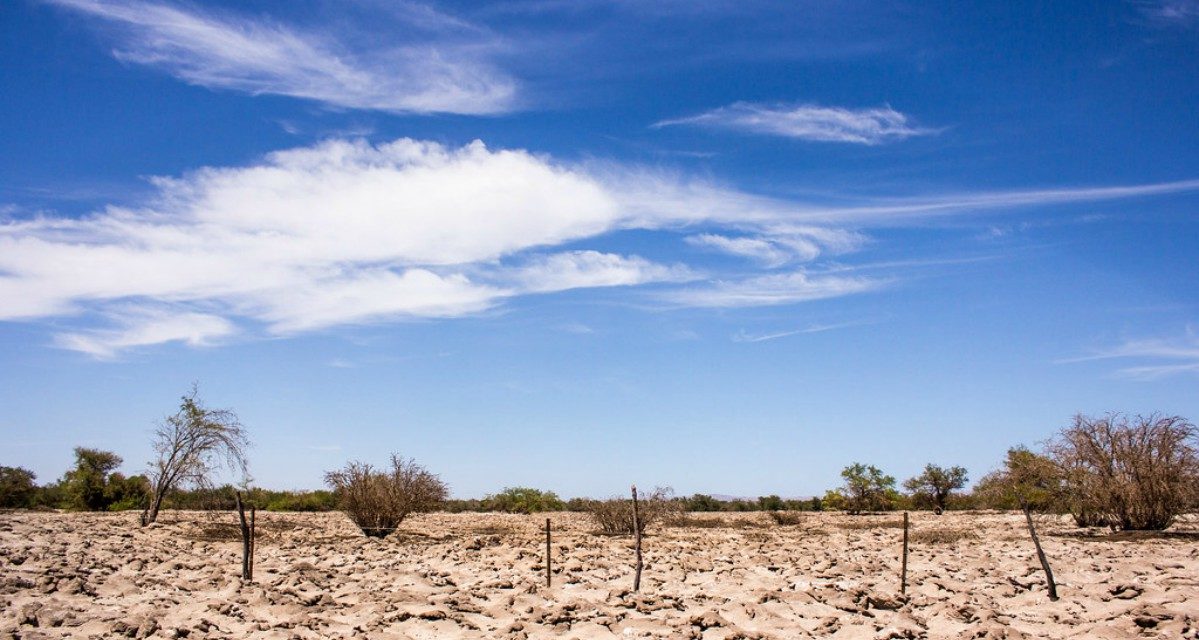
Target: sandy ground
(482, 576)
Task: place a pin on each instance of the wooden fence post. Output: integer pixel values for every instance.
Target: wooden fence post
(247, 543)
(903, 580)
(637, 537)
(548, 552)
(1041, 554)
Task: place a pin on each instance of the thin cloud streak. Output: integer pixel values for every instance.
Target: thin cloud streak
(1174, 356)
(438, 71)
(743, 336)
(808, 122)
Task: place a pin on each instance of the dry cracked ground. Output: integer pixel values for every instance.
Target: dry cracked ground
(482, 576)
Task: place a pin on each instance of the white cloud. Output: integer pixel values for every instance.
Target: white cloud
(809, 122)
(1163, 357)
(757, 249)
(1171, 12)
(338, 233)
(782, 243)
(743, 336)
(141, 327)
(438, 65)
(346, 232)
(584, 269)
(774, 289)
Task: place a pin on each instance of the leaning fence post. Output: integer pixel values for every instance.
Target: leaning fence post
(637, 538)
(253, 537)
(247, 571)
(1041, 555)
(903, 579)
(548, 565)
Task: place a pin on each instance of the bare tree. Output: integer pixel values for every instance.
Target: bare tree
(378, 501)
(1135, 473)
(936, 483)
(615, 516)
(191, 445)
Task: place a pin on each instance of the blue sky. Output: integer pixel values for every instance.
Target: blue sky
(726, 247)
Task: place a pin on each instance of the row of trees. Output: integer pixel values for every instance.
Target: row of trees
(1130, 473)
(190, 446)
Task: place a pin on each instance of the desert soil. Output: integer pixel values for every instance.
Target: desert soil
(482, 576)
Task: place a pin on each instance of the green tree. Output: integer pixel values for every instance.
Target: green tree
(85, 487)
(770, 503)
(524, 500)
(17, 490)
(123, 493)
(935, 484)
(1028, 481)
(867, 488)
(703, 502)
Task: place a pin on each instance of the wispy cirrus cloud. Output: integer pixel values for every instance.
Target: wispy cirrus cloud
(1171, 13)
(441, 66)
(871, 126)
(744, 336)
(1158, 357)
(141, 326)
(772, 289)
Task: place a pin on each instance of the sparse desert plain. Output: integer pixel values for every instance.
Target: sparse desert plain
(482, 576)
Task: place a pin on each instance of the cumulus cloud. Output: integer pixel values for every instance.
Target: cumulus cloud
(345, 232)
(439, 65)
(809, 122)
(337, 233)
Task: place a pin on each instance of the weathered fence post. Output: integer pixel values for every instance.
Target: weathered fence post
(637, 537)
(1041, 555)
(548, 561)
(247, 541)
(903, 579)
(253, 537)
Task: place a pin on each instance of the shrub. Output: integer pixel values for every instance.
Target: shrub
(786, 518)
(1138, 473)
(615, 516)
(524, 500)
(378, 501)
(123, 494)
(17, 490)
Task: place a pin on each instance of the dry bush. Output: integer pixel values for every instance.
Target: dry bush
(1137, 474)
(942, 536)
(378, 501)
(615, 516)
(787, 518)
